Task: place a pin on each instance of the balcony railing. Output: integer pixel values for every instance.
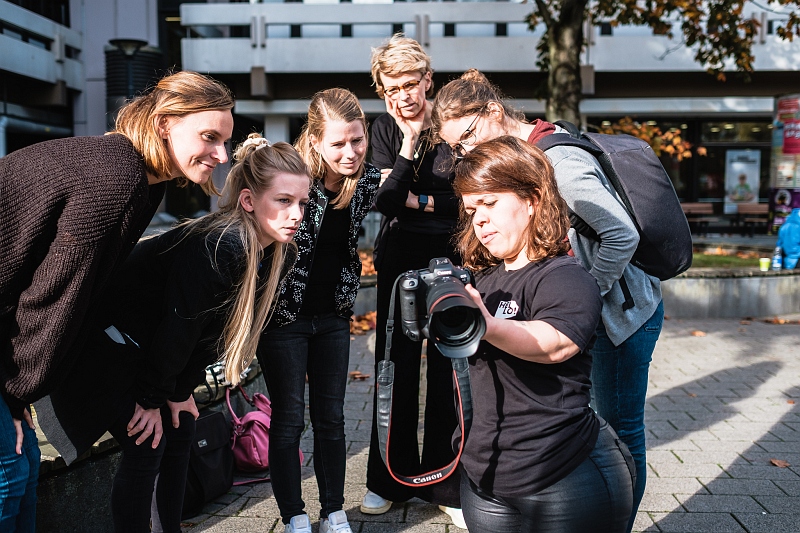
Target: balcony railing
(492, 36)
(36, 47)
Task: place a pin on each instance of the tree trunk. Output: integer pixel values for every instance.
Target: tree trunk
(565, 42)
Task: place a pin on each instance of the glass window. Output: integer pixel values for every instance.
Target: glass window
(730, 131)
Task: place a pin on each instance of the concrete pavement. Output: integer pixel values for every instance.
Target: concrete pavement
(723, 440)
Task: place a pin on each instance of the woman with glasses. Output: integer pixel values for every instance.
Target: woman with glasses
(420, 216)
(537, 458)
(469, 111)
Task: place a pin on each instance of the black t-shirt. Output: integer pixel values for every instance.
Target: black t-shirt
(331, 256)
(532, 422)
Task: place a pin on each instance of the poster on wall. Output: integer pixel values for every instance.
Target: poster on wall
(785, 162)
(742, 178)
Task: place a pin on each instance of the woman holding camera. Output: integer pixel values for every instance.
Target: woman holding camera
(537, 458)
(469, 111)
(310, 332)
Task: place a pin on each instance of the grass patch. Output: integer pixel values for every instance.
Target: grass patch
(701, 260)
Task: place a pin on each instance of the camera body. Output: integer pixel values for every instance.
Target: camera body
(436, 298)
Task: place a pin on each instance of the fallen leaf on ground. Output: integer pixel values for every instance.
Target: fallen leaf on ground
(367, 268)
(360, 324)
(744, 322)
(780, 321)
(790, 402)
(698, 333)
(780, 463)
(356, 374)
(692, 395)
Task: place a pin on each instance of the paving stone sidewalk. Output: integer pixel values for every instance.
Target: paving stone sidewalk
(722, 411)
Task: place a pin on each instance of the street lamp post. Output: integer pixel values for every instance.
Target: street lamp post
(129, 47)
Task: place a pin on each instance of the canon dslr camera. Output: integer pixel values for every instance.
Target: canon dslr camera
(436, 298)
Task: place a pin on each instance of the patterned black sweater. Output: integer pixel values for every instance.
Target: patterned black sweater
(70, 212)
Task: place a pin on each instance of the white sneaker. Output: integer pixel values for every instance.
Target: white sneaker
(336, 522)
(298, 524)
(374, 504)
(455, 515)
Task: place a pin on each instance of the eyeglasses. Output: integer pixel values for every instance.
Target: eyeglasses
(408, 86)
(468, 138)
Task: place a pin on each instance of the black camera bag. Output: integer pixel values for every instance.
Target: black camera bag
(210, 463)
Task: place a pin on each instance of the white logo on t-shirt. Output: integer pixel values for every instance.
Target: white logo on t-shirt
(507, 310)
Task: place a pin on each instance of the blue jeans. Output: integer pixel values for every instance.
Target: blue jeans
(595, 497)
(619, 389)
(19, 475)
(319, 347)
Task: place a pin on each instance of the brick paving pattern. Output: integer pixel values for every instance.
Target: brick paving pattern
(722, 409)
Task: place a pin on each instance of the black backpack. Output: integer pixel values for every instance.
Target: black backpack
(632, 168)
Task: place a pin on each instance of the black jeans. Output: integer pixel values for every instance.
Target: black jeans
(133, 503)
(404, 251)
(597, 496)
(319, 347)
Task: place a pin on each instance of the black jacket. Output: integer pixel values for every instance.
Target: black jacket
(168, 307)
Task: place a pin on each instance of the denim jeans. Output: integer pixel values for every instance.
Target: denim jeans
(19, 475)
(619, 388)
(134, 500)
(595, 497)
(319, 347)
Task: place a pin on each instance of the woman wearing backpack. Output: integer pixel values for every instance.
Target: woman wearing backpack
(196, 294)
(469, 111)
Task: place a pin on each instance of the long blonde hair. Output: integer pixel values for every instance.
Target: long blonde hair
(176, 95)
(327, 106)
(257, 163)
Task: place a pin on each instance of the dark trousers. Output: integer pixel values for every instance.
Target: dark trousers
(406, 251)
(597, 496)
(318, 346)
(133, 501)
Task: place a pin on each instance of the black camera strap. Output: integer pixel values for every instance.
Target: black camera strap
(385, 384)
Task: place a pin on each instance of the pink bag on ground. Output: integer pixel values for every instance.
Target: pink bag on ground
(250, 438)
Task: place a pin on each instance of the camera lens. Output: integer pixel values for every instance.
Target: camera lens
(455, 324)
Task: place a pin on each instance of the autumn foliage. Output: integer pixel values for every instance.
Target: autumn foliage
(663, 142)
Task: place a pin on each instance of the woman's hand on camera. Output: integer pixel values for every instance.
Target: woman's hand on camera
(532, 340)
(476, 297)
(187, 405)
(147, 422)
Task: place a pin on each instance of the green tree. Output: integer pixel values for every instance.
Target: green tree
(717, 30)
